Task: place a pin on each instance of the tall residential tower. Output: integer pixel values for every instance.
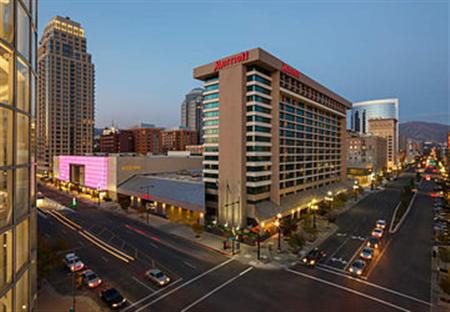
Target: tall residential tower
(18, 232)
(65, 112)
(192, 112)
(273, 138)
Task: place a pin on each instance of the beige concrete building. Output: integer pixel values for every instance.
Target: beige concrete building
(273, 138)
(65, 111)
(387, 128)
(366, 154)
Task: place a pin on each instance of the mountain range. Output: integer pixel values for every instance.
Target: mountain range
(424, 131)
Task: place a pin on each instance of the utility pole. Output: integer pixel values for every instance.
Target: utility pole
(147, 190)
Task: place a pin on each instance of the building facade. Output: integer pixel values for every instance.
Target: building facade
(362, 112)
(270, 134)
(114, 140)
(147, 141)
(192, 112)
(366, 153)
(65, 112)
(386, 128)
(178, 138)
(18, 230)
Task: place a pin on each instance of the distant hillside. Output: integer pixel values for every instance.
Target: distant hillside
(424, 131)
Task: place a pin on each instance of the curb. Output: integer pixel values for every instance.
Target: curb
(397, 227)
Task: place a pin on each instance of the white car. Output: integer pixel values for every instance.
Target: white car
(366, 253)
(377, 232)
(157, 277)
(72, 262)
(381, 224)
(357, 267)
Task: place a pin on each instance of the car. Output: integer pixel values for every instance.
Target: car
(73, 262)
(313, 257)
(112, 298)
(367, 253)
(91, 279)
(373, 242)
(381, 224)
(377, 232)
(357, 267)
(157, 277)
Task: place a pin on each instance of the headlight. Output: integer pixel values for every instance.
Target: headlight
(115, 305)
(351, 269)
(312, 262)
(161, 282)
(304, 260)
(359, 272)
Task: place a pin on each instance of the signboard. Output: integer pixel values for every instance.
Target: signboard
(220, 64)
(285, 68)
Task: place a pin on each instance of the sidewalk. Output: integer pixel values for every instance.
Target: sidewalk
(49, 300)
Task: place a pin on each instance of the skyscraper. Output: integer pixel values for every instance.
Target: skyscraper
(273, 138)
(65, 112)
(362, 112)
(18, 234)
(191, 112)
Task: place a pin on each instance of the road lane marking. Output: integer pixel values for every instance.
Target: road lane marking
(152, 295)
(339, 247)
(179, 287)
(320, 265)
(363, 280)
(373, 265)
(189, 265)
(350, 290)
(340, 272)
(143, 284)
(216, 289)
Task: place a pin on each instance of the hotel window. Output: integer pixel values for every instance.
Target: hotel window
(259, 79)
(212, 87)
(258, 89)
(211, 114)
(22, 203)
(6, 253)
(256, 98)
(6, 126)
(22, 290)
(6, 302)
(7, 21)
(23, 87)
(5, 197)
(22, 136)
(23, 32)
(211, 96)
(6, 69)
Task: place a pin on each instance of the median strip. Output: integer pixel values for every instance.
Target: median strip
(90, 237)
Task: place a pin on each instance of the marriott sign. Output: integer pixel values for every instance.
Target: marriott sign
(231, 60)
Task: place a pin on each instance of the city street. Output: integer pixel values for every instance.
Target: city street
(205, 280)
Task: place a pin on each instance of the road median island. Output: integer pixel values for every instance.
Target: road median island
(407, 198)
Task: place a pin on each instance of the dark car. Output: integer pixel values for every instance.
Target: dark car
(313, 257)
(373, 242)
(112, 298)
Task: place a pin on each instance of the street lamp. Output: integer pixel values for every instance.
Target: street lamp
(329, 198)
(261, 227)
(278, 225)
(355, 189)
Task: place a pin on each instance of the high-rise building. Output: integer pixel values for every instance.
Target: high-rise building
(65, 112)
(176, 139)
(386, 128)
(273, 138)
(18, 232)
(191, 111)
(147, 141)
(362, 112)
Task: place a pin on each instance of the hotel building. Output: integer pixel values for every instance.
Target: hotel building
(273, 138)
(388, 129)
(65, 112)
(18, 232)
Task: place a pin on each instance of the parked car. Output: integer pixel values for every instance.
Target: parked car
(377, 232)
(381, 224)
(91, 279)
(72, 262)
(157, 277)
(112, 298)
(373, 242)
(313, 257)
(367, 253)
(357, 267)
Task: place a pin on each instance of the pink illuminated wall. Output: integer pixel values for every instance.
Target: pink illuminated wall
(95, 172)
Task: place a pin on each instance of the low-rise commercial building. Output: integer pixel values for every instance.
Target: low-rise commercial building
(102, 175)
(147, 141)
(117, 141)
(176, 139)
(366, 154)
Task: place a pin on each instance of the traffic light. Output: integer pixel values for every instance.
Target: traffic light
(74, 202)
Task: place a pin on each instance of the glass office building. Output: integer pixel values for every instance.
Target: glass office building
(361, 112)
(18, 232)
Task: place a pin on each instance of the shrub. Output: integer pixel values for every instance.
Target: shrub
(288, 225)
(296, 242)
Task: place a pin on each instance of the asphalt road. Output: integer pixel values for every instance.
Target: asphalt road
(208, 281)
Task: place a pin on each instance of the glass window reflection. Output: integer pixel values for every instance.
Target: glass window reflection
(5, 197)
(22, 136)
(6, 70)
(23, 86)
(6, 126)
(23, 32)
(7, 20)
